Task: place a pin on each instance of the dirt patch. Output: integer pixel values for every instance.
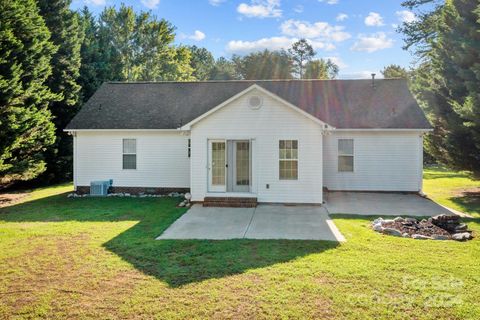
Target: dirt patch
(468, 192)
(8, 199)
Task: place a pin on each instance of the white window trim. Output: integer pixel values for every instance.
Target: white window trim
(297, 160)
(136, 153)
(346, 155)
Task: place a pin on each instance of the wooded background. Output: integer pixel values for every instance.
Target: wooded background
(52, 59)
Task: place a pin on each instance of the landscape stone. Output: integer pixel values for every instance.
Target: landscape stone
(392, 232)
(420, 237)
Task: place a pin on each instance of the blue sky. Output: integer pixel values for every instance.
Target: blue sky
(359, 35)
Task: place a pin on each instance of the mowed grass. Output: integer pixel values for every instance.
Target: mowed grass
(89, 257)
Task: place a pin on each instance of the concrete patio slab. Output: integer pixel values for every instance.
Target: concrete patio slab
(210, 223)
(263, 222)
(387, 204)
(292, 222)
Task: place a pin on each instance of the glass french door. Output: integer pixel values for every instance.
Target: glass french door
(239, 172)
(217, 181)
(229, 166)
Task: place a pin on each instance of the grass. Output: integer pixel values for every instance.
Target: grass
(457, 190)
(90, 257)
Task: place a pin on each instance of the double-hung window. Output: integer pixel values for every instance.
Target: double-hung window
(288, 159)
(345, 155)
(129, 154)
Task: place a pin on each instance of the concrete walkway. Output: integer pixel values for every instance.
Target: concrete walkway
(263, 222)
(383, 204)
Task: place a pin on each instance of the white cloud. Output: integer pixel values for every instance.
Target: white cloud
(273, 43)
(329, 1)
(406, 16)
(196, 36)
(372, 43)
(317, 30)
(96, 2)
(374, 20)
(260, 9)
(342, 17)
(216, 2)
(338, 61)
(298, 9)
(151, 4)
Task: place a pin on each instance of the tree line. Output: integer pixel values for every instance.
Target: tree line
(445, 39)
(53, 59)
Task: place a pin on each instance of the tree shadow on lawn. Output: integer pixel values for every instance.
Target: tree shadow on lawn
(177, 262)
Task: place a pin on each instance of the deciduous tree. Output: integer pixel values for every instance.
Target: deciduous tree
(264, 65)
(321, 69)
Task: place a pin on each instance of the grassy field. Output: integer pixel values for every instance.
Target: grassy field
(81, 258)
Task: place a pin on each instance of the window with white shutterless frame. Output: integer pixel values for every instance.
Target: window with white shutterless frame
(346, 156)
(129, 154)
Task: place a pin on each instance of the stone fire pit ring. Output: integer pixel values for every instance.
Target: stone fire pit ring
(441, 227)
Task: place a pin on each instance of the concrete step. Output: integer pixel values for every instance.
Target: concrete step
(231, 202)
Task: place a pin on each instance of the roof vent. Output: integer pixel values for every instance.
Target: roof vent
(373, 80)
(255, 102)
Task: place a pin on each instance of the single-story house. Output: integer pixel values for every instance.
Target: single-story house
(279, 141)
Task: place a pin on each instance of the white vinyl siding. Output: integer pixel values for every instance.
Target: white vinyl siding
(264, 128)
(161, 159)
(383, 161)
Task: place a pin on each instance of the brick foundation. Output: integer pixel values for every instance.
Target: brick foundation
(135, 190)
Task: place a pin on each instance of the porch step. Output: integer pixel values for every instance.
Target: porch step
(230, 202)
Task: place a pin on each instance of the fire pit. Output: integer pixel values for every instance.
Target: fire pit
(442, 227)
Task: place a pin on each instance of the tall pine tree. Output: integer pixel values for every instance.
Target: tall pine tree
(447, 83)
(67, 34)
(25, 120)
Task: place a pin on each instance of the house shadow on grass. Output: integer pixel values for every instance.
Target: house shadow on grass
(176, 262)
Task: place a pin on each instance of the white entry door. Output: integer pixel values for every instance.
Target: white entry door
(217, 173)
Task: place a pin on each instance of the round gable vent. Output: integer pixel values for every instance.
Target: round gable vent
(255, 102)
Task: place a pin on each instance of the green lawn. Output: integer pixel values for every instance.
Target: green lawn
(90, 257)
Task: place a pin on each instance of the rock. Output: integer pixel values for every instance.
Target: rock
(411, 220)
(392, 232)
(440, 237)
(406, 235)
(420, 237)
(388, 221)
(378, 227)
(399, 219)
(461, 228)
(182, 204)
(188, 205)
(188, 196)
(461, 236)
(127, 194)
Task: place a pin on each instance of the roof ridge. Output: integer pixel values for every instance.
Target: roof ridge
(247, 81)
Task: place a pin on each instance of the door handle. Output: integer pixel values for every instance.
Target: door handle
(226, 165)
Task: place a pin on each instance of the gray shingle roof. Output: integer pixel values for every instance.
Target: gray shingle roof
(168, 105)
